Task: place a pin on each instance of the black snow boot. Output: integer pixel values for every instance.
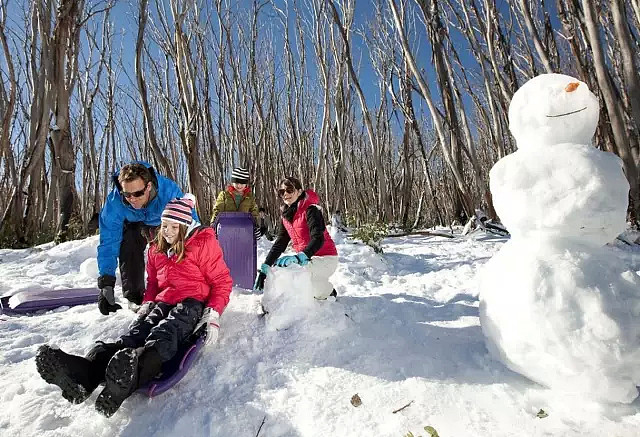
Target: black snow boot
(149, 364)
(71, 373)
(121, 380)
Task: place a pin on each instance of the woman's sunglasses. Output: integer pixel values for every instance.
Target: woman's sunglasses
(289, 190)
(138, 193)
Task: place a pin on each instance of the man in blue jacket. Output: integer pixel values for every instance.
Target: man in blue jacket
(128, 221)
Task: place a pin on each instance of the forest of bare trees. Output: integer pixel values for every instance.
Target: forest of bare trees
(393, 110)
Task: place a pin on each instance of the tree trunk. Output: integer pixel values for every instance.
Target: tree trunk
(629, 63)
(165, 167)
(531, 27)
(609, 96)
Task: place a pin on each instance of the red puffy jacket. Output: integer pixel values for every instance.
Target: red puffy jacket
(298, 229)
(202, 274)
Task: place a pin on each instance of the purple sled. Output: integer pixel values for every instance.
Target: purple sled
(239, 248)
(176, 368)
(30, 301)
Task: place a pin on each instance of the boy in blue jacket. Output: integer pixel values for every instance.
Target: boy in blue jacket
(128, 221)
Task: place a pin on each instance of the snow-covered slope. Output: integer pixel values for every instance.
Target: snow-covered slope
(404, 330)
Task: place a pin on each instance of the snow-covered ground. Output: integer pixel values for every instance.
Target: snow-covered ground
(404, 330)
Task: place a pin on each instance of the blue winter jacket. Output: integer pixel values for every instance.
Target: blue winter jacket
(116, 210)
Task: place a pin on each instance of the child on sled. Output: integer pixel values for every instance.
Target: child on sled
(188, 285)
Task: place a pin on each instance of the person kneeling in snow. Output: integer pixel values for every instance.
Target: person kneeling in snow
(302, 222)
(188, 286)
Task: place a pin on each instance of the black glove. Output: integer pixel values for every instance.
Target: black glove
(107, 301)
(262, 275)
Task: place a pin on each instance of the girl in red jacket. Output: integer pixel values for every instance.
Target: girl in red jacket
(303, 225)
(188, 285)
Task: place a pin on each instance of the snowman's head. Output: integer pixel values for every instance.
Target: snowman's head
(552, 109)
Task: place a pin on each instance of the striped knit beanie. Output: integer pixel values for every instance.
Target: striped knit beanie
(179, 210)
(240, 175)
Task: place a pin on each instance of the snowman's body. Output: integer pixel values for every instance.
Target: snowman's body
(555, 305)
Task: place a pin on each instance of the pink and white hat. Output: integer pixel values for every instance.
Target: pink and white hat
(180, 210)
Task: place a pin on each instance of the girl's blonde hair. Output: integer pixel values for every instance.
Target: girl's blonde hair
(162, 246)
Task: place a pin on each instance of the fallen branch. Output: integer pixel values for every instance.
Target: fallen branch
(402, 408)
(434, 233)
(264, 419)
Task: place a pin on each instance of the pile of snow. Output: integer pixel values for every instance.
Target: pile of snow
(404, 330)
(288, 296)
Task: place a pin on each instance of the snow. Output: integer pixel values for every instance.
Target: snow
(555, 305)
(405, 328)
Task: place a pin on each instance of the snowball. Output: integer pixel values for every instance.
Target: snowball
(288, 296)
(565, 320)
(89, 268)
(553, 109)
(569, 191)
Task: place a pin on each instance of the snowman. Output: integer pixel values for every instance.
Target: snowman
(556, 305)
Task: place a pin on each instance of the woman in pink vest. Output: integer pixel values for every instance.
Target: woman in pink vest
(303, 225)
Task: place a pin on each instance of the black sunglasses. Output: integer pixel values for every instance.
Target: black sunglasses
(138, 193)
(289, 190)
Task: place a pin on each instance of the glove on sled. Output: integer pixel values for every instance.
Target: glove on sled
(299, 258)
(262, 275)
(107, 300)
(211, 319)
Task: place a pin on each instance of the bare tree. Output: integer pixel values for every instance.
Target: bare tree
(533, 31)
(348, 10)
(610, 100)
(629, 63)
(142, 90)
(435, 114)
(8, 102)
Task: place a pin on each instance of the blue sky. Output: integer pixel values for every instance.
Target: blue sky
(124, 16)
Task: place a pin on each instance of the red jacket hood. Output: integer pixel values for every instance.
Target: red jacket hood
(311, 198)
(244, 192)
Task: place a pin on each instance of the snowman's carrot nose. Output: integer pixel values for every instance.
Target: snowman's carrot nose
(572, 87)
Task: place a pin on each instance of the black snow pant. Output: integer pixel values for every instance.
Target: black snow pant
(135, 237)
(156, 338)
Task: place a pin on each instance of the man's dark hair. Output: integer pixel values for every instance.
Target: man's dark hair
(131, 172)
(262, 210)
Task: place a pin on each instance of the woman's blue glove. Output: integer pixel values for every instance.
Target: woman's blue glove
(299, 258)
